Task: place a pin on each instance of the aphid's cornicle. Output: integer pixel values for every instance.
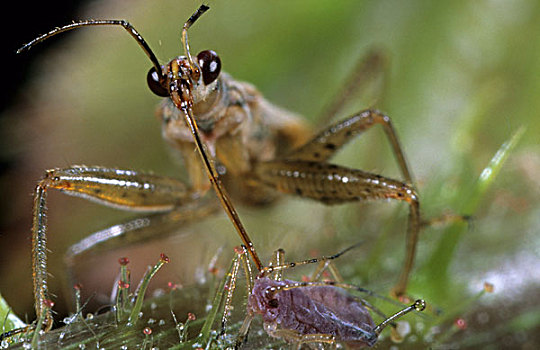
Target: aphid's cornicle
(256, 141)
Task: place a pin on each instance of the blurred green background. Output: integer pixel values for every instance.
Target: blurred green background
(462, 77)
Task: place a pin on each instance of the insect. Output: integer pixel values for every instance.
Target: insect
(262, 147)
(306, 312)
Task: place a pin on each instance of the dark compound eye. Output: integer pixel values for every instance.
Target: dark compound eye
(152, 78)
(273, 303)
(210, 65)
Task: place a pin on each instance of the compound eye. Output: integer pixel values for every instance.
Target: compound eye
(273, 303)
(210, 65)
(152, 78)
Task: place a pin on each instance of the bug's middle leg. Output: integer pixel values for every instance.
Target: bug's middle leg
(325, 144)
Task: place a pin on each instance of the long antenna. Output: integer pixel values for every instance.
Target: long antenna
(107, 22)
(182, 98)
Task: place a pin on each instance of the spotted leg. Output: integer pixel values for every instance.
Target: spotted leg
(122, 189)
(305, 172)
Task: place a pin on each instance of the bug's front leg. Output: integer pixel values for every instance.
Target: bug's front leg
(122, 189)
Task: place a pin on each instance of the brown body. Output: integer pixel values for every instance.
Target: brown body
(240, 128)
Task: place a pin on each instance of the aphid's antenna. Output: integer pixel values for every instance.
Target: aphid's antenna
(418, 305)
(185, 43)
(269, 269)
(112, 22)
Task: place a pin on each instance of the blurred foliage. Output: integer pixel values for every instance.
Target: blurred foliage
(463, 77)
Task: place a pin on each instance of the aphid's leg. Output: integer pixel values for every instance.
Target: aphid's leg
(240, 258)
(243, 332)
(419, 305)
(323, 266)
(276, 261)
(326, 263)
(298, 339)
(369, 68)
(122, 189)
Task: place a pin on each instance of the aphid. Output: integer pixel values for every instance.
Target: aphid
(262, 147)
(307, 312)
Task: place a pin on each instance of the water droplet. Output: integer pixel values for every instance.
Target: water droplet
(403, 328)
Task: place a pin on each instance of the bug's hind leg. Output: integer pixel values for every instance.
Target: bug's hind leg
(368, 74)
(137, 231)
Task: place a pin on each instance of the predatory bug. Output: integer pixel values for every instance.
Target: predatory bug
(262, 148)
(308, 313)
(185, 81)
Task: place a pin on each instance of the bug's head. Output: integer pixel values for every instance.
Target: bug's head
(183, 72)
(186, 79)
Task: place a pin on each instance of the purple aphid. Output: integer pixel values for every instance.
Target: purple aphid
(308, 312)
(322, 310)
